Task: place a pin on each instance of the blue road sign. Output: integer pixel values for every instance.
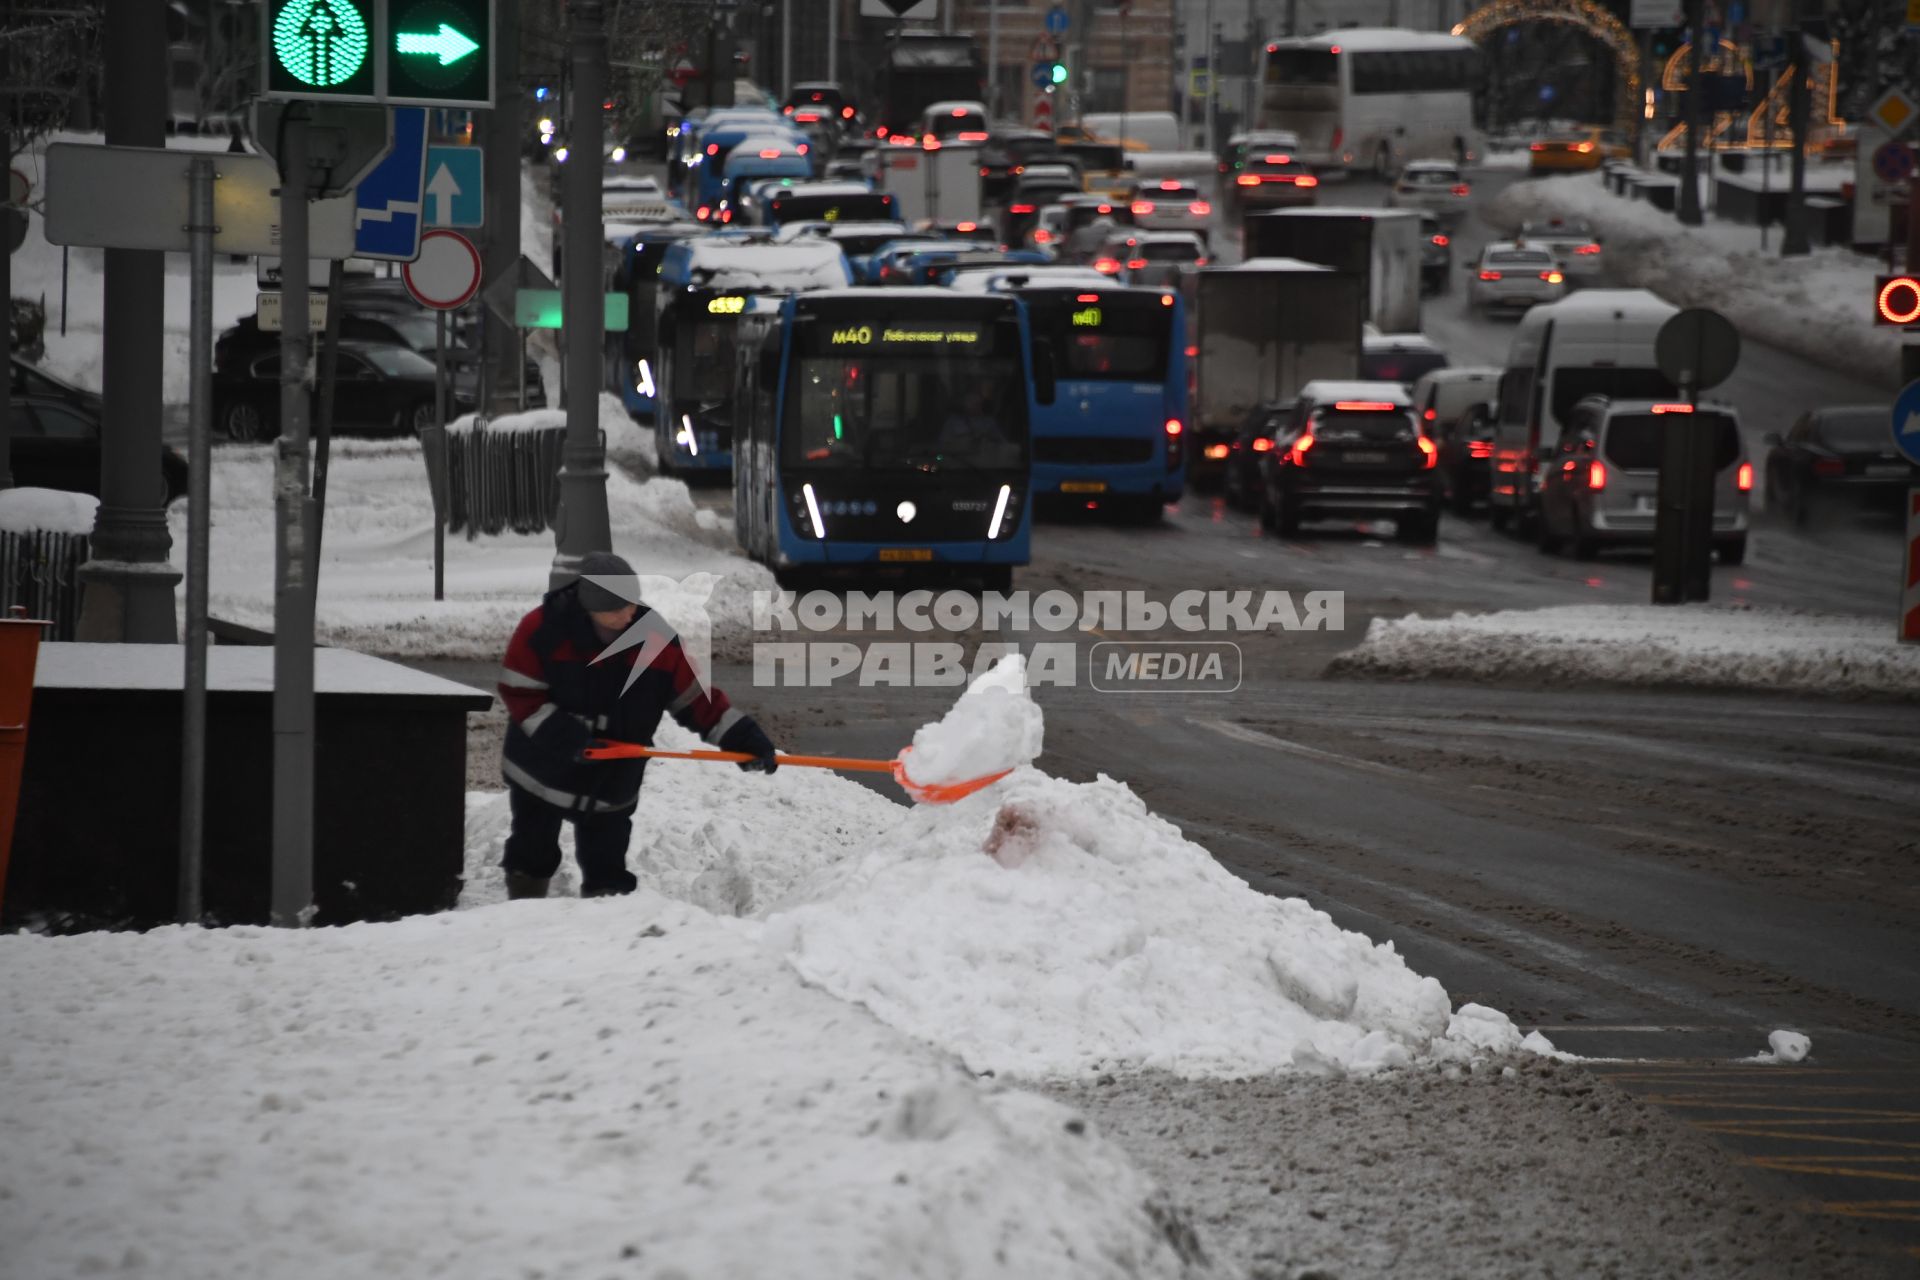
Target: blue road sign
(1057, 21)
(1893, 162)
(387, 219)
(1042, 74)
(456, 187)
(1906, 422)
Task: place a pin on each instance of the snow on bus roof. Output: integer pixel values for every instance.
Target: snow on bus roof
(748, 264)
(1377, 39)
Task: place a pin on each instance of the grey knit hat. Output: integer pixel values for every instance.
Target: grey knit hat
(609, 568)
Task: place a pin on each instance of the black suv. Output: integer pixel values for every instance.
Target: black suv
(1352, 449)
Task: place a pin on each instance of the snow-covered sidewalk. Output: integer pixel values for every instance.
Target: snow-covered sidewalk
(1817, 306)
(376, 576)
(1700, 646)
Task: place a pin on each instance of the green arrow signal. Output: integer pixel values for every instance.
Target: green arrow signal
(447, 44)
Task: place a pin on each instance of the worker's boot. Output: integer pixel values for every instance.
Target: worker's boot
(525, 886)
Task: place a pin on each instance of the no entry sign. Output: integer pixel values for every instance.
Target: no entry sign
(446, 275)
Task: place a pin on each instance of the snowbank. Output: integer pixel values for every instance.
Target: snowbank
(1713, 646)
(1811, 305)
(549, 1088)
(376, 576)
(46, 511)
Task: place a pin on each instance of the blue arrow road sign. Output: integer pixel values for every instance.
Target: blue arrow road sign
(456, 187)
(1906, 422)
(1042, 74)
(388, 217)
(1057, 21)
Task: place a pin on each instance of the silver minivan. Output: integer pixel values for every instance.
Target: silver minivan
(1601, 484)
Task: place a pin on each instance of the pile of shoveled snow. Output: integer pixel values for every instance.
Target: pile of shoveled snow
(1709, 646)
(376, 575)
(993, 727)
(1039, 928)
(47, 511)
(548, 1088)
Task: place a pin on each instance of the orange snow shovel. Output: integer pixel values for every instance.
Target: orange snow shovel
(922, 792)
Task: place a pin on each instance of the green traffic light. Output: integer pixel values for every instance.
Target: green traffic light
(321, 43)
(1059, 73)
(447, 44)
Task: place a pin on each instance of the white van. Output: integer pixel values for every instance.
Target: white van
(1597, 342)
(1152, 130)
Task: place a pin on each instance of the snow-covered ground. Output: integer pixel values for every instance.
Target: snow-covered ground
(1817, 305)
(376, 576)
(1702, 646)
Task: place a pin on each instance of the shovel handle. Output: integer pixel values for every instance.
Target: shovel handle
(633, 750)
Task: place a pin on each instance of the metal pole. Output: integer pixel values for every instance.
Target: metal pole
(523, 370)
(584, 525)
(503, 135)
(786, 49)
(833, 39)
(437, 454)
(1126, 74)
(1766, 175)
(993, 55)
(323, 429)
(1793, 240)
(1206, 108)
(193, 704)
(292, 896)
(1688, 209)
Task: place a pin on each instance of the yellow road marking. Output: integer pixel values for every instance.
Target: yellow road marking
(1738, 1129)
(1789, 1164)
(1692, 1100)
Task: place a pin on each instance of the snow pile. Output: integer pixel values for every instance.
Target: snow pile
(994, 726)
(628, 443)
(1712, 646)
(547, 1088)
(1783, 1046)
(1811, 305)
(47, 511)
(376, 576)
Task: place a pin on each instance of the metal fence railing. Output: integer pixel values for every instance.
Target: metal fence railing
(500, 480)
(40, 571)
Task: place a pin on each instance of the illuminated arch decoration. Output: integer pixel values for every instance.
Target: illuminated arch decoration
(1586, 15)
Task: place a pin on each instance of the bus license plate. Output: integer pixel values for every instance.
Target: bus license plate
(913, 554)
(1083, 486)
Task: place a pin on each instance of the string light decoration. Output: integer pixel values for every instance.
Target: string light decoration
(1593, 18)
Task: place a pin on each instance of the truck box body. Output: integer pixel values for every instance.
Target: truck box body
(942, 184)
(1380, 246)
(1267, 328)
(922, 68)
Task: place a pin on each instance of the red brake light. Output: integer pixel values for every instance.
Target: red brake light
(1142, 206)
(1306, 180)
(1584, 148)
(973, 137)
(1462, 189)
(1539, 146)
(1298, 454)
(1042, 236)
(713, 148)
(1335, 49)
(1829, 467)
(1174, 427)
(786, 111)
(983, 171)
(1673, 408)
(703, 213)
(1261, 444)
(1365, 406)
(966, 226)
(1431, 414)
(1279, 159)
(1743, 478)
(1248, 180)
(1166, 299)
(1019, 208)
(770, 153)
(1136, 264)
(1216, 451)
(1430, 456)
(846, 113)
(1106, 266)
(1198, 262)
(1587, 249)
(959, 113)
(1086, 297)
(931, 143)
(1442, 241)
(1480, 448)
(1193, 353)
(1200, 208)
(1489, 275)
(1169, 185)
(1596, 475)
(1552, 277)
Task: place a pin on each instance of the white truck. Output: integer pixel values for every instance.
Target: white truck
(1265, 329)
(1380, 246)
(940, 184)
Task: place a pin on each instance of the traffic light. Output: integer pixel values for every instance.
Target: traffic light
(440, 52)
(436, 53)
(1058, 73)
(321, 48)
(1896, 300)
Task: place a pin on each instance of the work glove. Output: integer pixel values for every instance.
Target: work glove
(750, 738)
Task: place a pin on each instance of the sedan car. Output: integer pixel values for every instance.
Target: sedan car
(1572, 243)
(1577, 150)
(55, 444)
(1163, 259)
(1273, 180)
(1513, 277)
(1831, 452)
(382, 388)
(1437, 186)
(1168, 204)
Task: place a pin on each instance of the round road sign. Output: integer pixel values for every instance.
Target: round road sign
(447, 272)
(1057, 21)
(1697, 348)
(1893, 162)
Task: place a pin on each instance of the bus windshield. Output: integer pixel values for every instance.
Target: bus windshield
(870, 207)
(899, 393)
(1104, 336)
(703, 361)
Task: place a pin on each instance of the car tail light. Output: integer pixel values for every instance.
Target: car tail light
(880, 131)
(1174, 427)
(1596, 475)
(930, 142)
(1298, 454)
(1441, 242)
(1106, 266)
(1166, 299)
(1552, 277)
(1431, 414)
(726, 215)
(1584, 148)
(1429, 455)
(713, 148)
(1462, 190)
(1141, 206)
(1279, 159)
(1222, 166)
(846, 113)
(983, 171)
(1198, 262)
(1489, 275)
(1019, 208)
(1216, 451)
(1306, 180)
(966, 226)
(1136, 264)
(1539, 146)
(1200, 208)
(1829, 467)
(1248, 180)
(787, 111)
(1673, 408)
(1193, 353)
(1262, 444)
(770, 153)
(1043, 236)
(970, 136)
(1743, 478)
(703, 213)
(1364, 406)
(1479, 448)
(1587, 250)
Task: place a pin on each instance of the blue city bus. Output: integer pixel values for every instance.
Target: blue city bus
(705, 285)
(1112, 439)
(707, 176)
(631, 355)
(887, 429)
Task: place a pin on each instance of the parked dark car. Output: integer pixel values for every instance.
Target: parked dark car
(381, 388)
(56, 445)
(1436, 255)
(1352, 449)
(1243, 459)
(28, 379)
(1830, 452)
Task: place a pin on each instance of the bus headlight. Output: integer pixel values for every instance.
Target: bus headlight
(999, 511)
(685, 436)
(643, 379)
(813, 511)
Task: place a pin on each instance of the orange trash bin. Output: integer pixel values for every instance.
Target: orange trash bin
(19, 652)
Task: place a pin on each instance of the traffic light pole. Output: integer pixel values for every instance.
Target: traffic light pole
(1688, 209)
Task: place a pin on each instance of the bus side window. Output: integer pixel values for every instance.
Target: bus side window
(769, 388)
